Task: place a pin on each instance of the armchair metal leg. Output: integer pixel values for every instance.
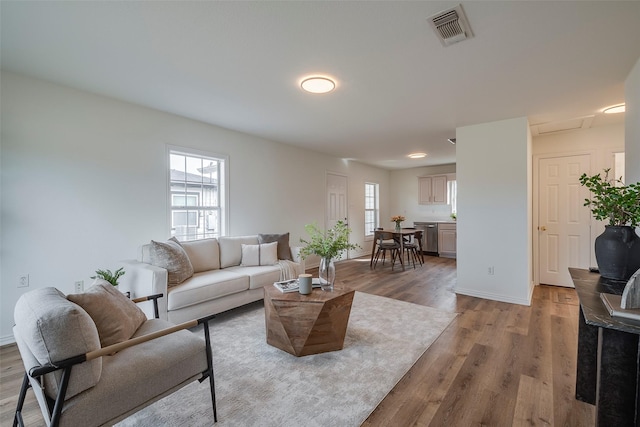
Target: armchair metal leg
(212, 383)
(17, 419)
(62, 392)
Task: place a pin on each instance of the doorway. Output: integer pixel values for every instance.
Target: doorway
(336, 200)
(563, 220)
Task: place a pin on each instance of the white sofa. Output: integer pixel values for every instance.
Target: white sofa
(221, 278)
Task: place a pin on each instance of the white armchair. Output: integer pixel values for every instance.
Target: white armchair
(78, 382)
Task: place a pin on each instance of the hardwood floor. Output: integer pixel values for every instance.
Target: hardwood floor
(497, 364)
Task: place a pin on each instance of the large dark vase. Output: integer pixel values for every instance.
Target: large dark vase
(618, 252)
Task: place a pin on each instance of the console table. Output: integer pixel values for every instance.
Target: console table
(608, 354)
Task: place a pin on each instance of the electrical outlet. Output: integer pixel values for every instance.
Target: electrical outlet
(23, 281)
(79, 286)
(490, 271)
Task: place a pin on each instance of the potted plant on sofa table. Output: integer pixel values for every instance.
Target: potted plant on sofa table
(618, 248)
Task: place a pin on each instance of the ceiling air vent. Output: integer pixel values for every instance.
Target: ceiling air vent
(451, 26)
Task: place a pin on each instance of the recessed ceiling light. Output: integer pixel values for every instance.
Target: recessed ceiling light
(318, 84)
(417, 155)
(615, 109)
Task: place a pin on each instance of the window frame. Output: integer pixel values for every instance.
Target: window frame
(452, 195)
(222, 198)
(375, 209)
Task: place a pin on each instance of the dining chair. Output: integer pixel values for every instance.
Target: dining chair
(386, 243)
(417, 237)
(411, 247)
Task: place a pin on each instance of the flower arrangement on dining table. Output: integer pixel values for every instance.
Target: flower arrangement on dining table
(398, 220)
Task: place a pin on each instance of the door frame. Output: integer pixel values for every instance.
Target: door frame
(326, 203)
(536, 204)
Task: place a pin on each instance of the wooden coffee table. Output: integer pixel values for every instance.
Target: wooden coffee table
(307, 324)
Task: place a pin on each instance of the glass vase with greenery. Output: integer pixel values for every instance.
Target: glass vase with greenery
(328, 245)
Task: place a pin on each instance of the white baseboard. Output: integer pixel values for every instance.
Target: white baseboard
(6, 340)
(494, 297)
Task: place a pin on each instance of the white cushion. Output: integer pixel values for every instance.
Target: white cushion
(206, 286)
(204, 254)
(231, 249)
(259, 276)
(264, 254)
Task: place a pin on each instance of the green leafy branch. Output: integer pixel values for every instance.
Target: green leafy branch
(611, 200)
(109, 276)
(327, 244)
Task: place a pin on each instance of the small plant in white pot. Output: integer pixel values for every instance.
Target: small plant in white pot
(618, 248)
(109, 276)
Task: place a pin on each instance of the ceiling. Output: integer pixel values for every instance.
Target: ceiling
(238, 65)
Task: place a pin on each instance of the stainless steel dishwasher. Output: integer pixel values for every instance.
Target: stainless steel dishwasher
(429, 236)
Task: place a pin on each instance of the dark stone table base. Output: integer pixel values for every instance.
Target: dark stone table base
(608, 354)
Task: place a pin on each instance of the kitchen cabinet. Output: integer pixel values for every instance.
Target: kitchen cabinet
(447, 237)
(432, 190)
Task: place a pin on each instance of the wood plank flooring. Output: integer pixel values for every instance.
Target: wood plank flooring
(497, 364)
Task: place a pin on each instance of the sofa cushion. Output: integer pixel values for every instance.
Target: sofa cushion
(265, 254)
(204, 254)
(172, 359)
(116, 317)
(54, 329)
(284, 252)
(258, 276)
(231, 249)
(206, 286)
(172, 257)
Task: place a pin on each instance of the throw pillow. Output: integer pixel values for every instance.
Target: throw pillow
(116, 317)
(172, 257)
(204, 254)
(253, 255)
(284, 251)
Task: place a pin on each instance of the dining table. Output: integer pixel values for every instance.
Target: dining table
(398, 235)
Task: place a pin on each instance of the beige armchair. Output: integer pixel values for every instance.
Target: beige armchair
(92, 360)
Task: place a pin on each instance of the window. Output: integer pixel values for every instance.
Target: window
(371, 208)
(197, 195)
(452, 195)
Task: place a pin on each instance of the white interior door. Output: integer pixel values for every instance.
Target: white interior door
(336, 199)
(563, 220)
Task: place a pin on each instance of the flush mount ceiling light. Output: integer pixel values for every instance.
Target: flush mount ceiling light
(417, 155)
(318, 84)
(615, 109)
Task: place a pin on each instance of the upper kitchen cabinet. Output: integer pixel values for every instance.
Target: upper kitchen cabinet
(432, 190)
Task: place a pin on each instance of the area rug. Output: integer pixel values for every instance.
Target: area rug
(259, 385)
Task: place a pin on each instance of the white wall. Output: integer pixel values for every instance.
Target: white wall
(84, 184)
(632, 124)
(494, 192)
(403, 199)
